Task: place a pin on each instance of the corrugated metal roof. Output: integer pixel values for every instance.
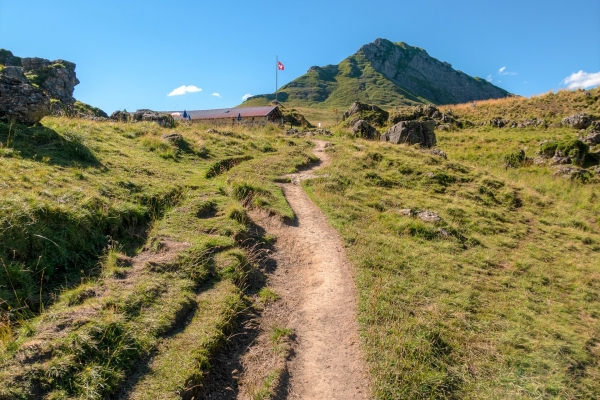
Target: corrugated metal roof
(229, 112)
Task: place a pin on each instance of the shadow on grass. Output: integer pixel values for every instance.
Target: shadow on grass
(46, 145)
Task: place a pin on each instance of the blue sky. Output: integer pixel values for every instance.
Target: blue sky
(132, 54)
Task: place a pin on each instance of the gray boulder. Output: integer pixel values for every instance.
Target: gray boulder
(120, 116)
(592, 138)
(164, 120)
(573, 173)
(577, 121)
(19, 100)
(363, 129)
(412, 132)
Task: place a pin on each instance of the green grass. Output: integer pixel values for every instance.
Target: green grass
(497, 300)
(76, 317)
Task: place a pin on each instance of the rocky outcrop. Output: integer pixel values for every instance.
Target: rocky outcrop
(57, 78)
(364, 130)
(425, 113)
(164, 120)
(40, 87)
(412, 132)
(368, 112)
(120, 116)
(20, 101)
(577, 121)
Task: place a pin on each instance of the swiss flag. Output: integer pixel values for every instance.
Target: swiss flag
(280, 66)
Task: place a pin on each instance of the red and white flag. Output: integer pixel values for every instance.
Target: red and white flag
(280, 66)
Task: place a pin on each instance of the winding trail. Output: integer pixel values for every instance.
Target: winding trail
(315, 281)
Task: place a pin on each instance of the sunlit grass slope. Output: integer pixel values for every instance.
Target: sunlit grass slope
(77, 318)
(500, 299)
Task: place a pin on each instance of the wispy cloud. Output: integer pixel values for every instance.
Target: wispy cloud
(503, 71)
(181, 90)
(582, 80)
(216, 95)
(489, 78)
(246, 96)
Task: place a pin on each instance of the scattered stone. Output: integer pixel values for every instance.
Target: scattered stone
(424, 215)
(592, 138)
(439, 153)
(173, 137)
(597, 170)
(412, 132)
(577, 121)
(572, 172)
(365, 130)
(444, 233)
(429, 174)
(428, 216)
(540, 160)
(499, 122)
(559, 160)
(19, 99)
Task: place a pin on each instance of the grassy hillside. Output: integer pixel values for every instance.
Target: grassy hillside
(551, 107)
(498, 299)
(112, 236)
(125, 252)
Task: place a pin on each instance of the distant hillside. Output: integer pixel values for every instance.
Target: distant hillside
(387, 74)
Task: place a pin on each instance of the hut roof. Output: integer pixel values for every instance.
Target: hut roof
(244, 112)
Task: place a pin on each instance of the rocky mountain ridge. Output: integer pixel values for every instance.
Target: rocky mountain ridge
(385, 73)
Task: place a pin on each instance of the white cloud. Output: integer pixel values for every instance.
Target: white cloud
(246, 96)
(216, 95)
(582, 80)
(489, 78)
(181, 90)
(503, 71)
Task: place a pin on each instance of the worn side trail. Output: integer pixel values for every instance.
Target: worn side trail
(316, 284)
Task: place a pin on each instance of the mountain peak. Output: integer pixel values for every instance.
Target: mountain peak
(385, 73)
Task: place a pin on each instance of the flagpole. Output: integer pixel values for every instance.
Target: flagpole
(276, 76)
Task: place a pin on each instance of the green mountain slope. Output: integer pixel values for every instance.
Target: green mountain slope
(384, 73)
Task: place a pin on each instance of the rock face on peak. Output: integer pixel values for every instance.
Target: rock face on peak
(384, 73)
(412, 68)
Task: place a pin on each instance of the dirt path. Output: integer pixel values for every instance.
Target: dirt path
(315, 282)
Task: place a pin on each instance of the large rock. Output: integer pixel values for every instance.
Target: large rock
(412, 132)
(368, 112)
(363, 129)
(577, 121)
(19, 99)
(120, 116)
(164, 120)
(57, 78)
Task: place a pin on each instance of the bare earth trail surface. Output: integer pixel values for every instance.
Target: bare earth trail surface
(315, 282)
